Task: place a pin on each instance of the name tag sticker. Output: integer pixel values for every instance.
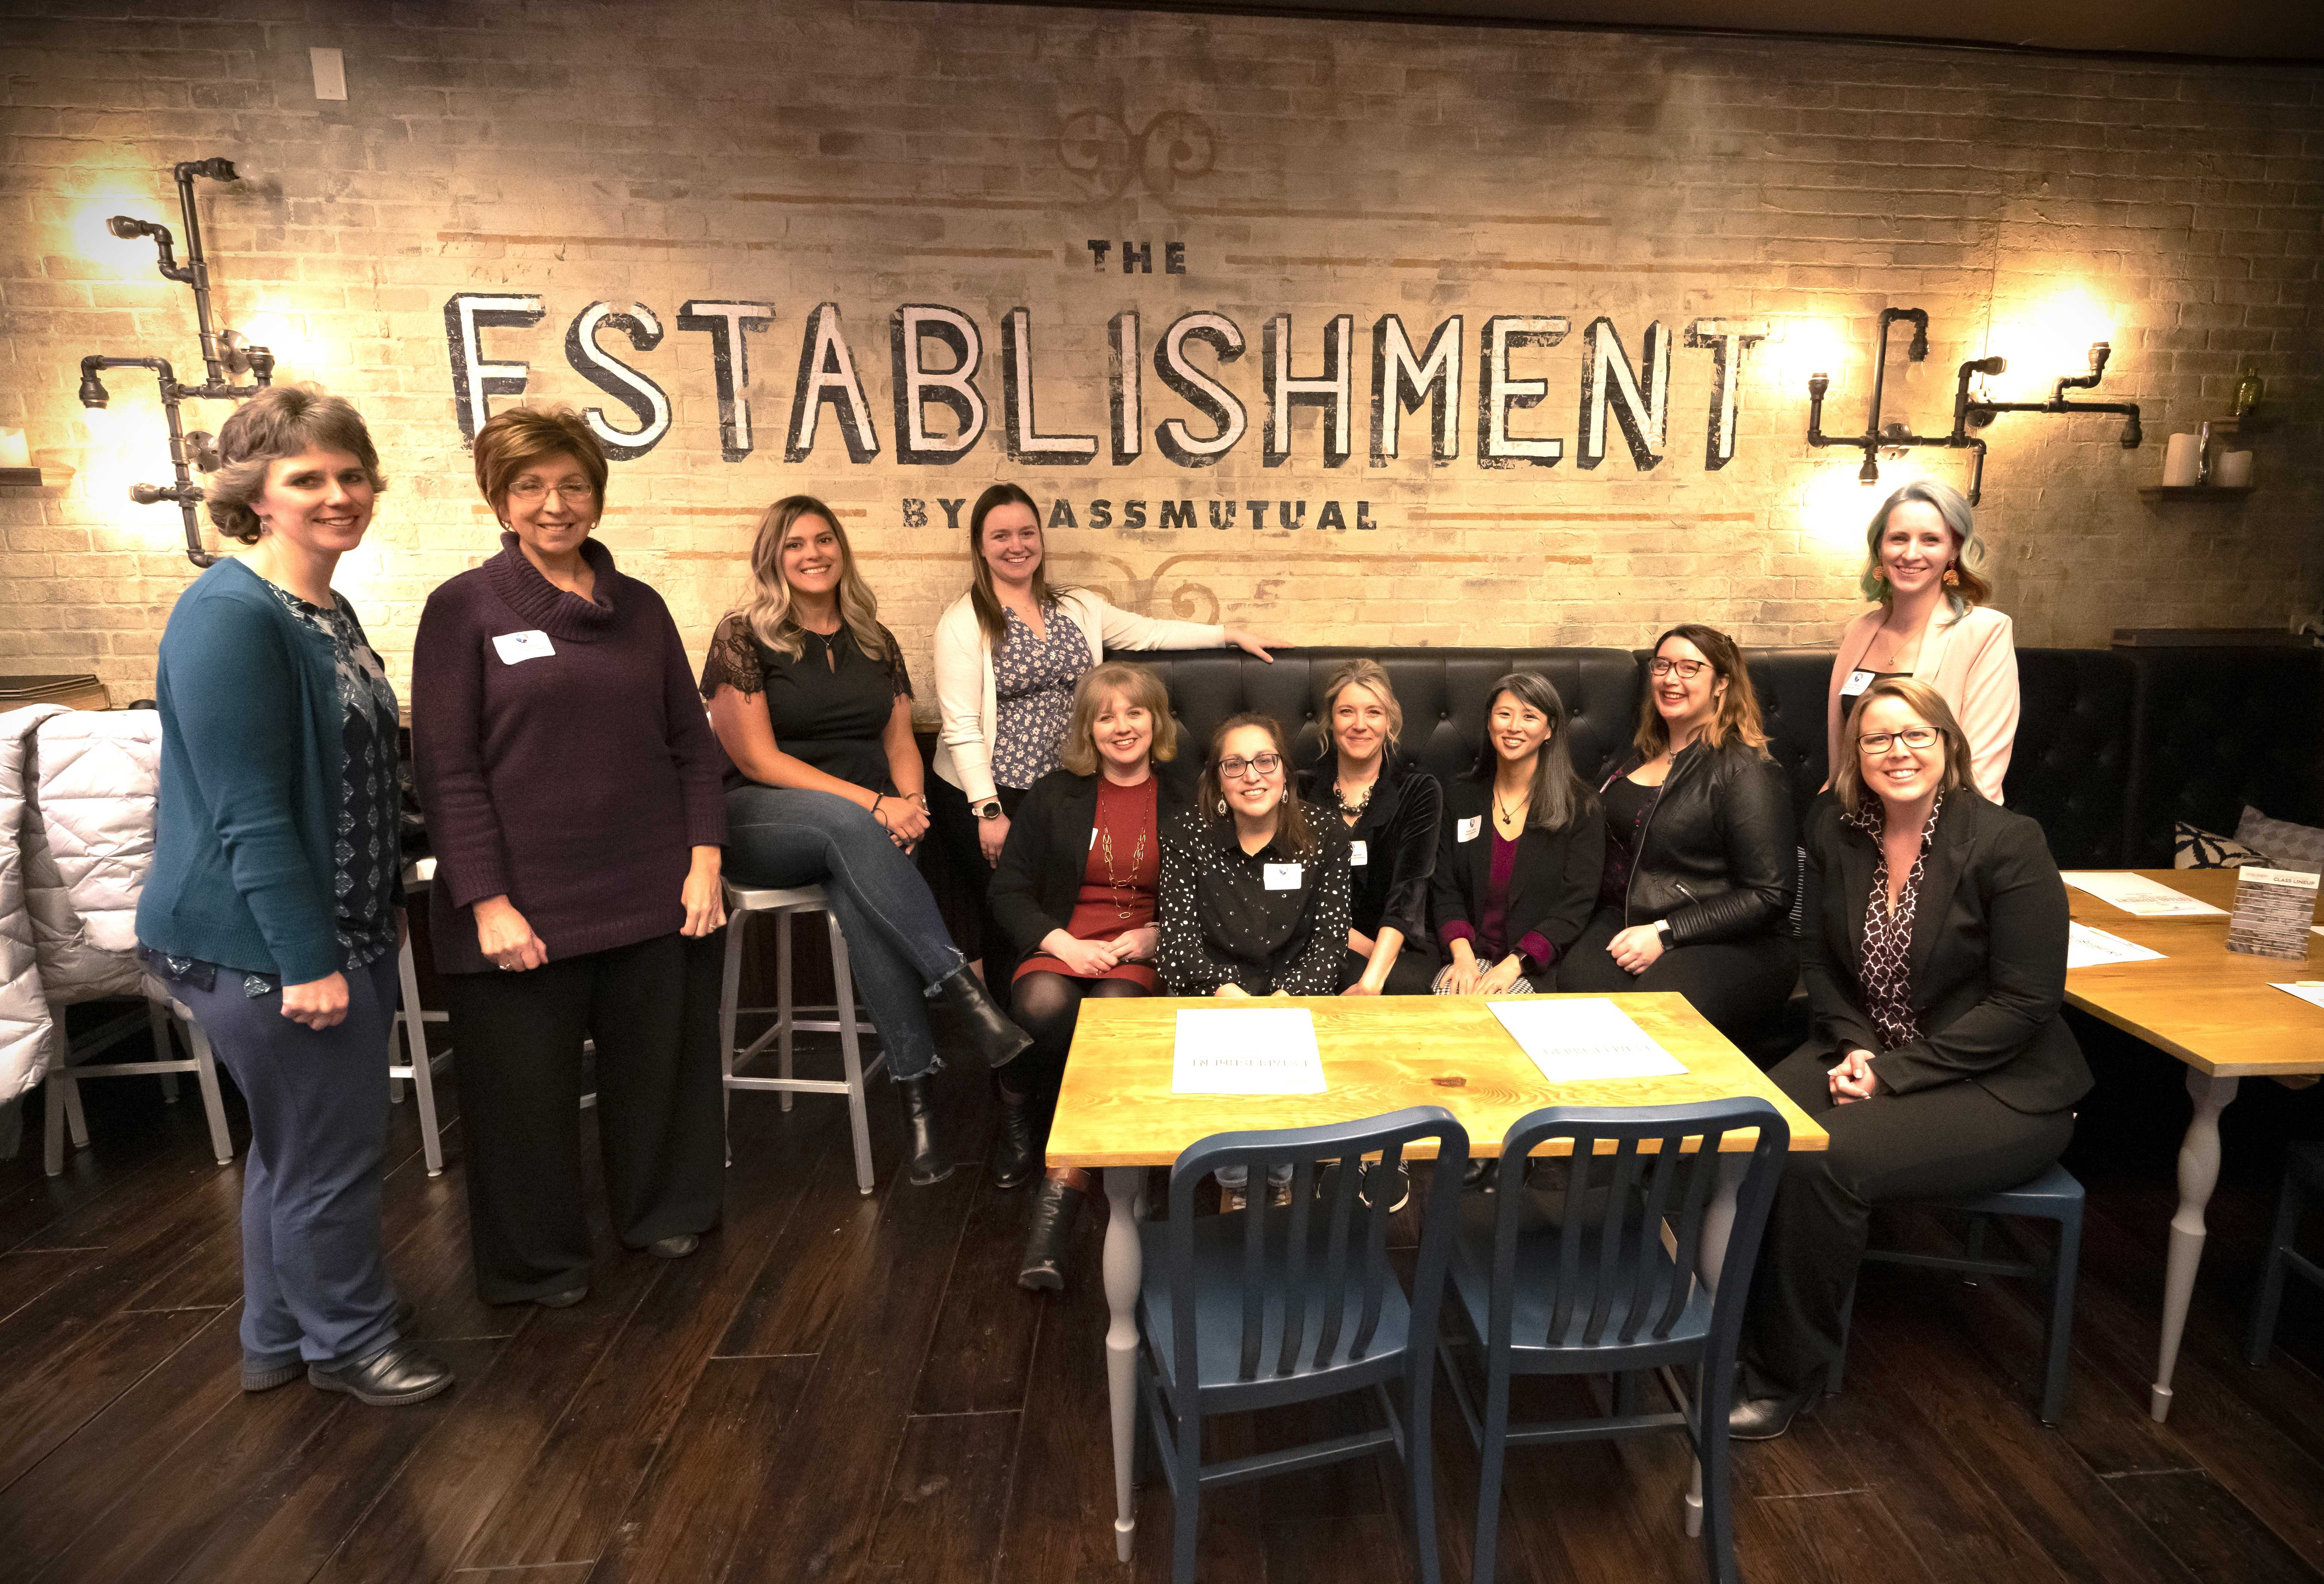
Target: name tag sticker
(1467, 830)
(1858, 681)
(516, 648)
(1359, 854)
(1093, 837)
(1283, 877)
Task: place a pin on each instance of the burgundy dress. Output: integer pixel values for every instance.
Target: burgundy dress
(1119, 884)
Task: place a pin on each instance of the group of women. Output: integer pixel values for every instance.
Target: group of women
(587, 792)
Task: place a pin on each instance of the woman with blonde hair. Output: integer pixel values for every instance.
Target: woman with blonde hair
(809, 697)
(1931, 621)
(1392, 810)
(1076, 893)
(1696, 893)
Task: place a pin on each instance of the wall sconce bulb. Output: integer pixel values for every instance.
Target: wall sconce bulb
(1870, 472)
(93, 392)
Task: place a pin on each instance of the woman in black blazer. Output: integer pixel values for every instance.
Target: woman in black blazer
(1939, 1063)
(1700, 853)
(1074, 895)
(1517, 864)
(1393, 812)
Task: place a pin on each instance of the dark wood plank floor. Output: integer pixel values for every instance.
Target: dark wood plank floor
(841, 1388)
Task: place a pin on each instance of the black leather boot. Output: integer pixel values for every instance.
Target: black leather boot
(999, 1041)
(925, 1163)
(1050, 1235)
(401, 1372)
(1016, 1154)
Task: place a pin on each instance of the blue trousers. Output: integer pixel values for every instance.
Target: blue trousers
(314, 1276)
(897, 945)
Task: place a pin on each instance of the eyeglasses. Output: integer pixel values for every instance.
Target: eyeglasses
(1687, 669)
(1260, 764)
(532, 489)
(1915, 737)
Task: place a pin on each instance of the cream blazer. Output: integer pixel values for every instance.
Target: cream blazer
(967, 703)
(1972, 661)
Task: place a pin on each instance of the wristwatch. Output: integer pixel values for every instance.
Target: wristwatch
(990, 809)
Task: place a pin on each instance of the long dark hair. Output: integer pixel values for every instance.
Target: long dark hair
(1738, 713)
(981, 598)
(1291, 827)
(1559, 796)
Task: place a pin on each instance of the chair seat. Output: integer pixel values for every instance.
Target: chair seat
(1218, 1322)
(2048, 1195)
(1534, 1297)
(764, 899)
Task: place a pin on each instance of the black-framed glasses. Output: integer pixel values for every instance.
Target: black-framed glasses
(1261, 764)
(1915, 737)
(1686, 669)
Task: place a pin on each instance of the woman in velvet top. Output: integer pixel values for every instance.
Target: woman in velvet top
(572, 795)
(810, 699)
(1392, 810)
(1518, 866)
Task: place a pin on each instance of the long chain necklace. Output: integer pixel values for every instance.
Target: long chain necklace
(1120, 885)
(1512, 814)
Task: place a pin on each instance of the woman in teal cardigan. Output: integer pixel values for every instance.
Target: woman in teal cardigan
(272, 905)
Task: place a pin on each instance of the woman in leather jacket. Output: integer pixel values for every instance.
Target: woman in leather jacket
(1696, 895)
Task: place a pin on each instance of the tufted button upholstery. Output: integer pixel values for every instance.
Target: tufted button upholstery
(2070, 766)
(2214, 730)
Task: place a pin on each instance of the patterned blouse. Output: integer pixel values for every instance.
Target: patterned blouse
(1889, 932)
(1033, 680)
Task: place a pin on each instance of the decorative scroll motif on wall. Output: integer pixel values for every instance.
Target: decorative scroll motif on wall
(1099, 147)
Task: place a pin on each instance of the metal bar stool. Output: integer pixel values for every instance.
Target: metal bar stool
(742, 902)
(417, 1067)
(2303, 1183)
(65, 1073)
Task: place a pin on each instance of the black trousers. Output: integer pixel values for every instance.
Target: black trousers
(953, 825)
(652, 1010)
(1953, 1139)
(1409, 975)
(1736, 985)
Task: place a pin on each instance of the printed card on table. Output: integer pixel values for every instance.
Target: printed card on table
(2089, 948)
(1246, 1050)
(2137, 896)
(1584, 1039)
(2272, 911)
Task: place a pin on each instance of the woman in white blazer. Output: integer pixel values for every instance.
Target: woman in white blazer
(1931, 623)
(1008, 653)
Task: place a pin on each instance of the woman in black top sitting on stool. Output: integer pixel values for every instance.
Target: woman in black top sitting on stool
(1701, 857)
(1516, 871)
(1075, 895)
(810, 699)
(1939, 1063)
(1391, 808)
(1254, 892)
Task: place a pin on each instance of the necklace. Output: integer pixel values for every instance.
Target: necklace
(1355, 805)
(1120, 885)
(1511, 813)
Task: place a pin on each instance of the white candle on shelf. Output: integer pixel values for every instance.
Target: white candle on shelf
(2183, 460)
(13, 451)
(2234, 470)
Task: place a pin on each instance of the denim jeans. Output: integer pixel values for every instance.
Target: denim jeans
(896, 941)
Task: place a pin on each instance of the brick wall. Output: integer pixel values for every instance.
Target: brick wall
(880, 155)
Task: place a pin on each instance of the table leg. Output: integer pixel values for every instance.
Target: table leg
(2199, 1173)
(1718, 1221)
(1124, 1270)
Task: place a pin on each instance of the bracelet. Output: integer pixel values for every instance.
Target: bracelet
(875, 809)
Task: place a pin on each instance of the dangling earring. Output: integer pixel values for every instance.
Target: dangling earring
(1222, 805)
(1952, 579)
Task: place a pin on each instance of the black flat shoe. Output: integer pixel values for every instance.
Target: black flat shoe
(1015, 1156)
(1763, 1419)
(398, 1373)
(926, 1164)
(678, 1245)
(1049, 1237)
(565, 1300)
(996, 1039)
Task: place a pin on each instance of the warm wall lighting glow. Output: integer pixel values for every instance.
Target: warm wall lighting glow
(1836, 509)
(95, 244)
(2048, 339)
(1805, 346)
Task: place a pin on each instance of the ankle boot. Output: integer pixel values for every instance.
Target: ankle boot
(996, 1039)
(926, 1164)
(1016, 1156)
(1050, 1235)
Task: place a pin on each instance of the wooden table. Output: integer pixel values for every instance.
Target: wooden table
(2213, 1009)
(1380, 1053)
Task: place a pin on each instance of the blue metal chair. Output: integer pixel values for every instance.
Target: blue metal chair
(2053, 1196)
(2303, 1177)
(1286, 1303)
(1579, 1282)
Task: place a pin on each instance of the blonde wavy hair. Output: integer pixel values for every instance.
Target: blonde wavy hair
(767, 609)
(1135, 685)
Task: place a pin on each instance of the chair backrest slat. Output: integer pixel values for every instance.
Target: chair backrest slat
(1254, 1267)
(1375, 1232)
(1624, 1175)
(1670, 1165)
(1295, 1265)
(1335, 1263)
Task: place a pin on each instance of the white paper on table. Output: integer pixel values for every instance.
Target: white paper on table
(1576, 1041)
(2089, 948)
(1246, 1050)
(2309, 990)
(2136, 893)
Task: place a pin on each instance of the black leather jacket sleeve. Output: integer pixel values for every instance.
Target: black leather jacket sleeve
(1752, 821)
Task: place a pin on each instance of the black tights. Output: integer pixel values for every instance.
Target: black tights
(1046, 1006)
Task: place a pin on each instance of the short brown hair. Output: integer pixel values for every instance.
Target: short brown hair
(1921, 700)
(513, 440)
(281, 420)
(1361, 674)
(1738, 714)
(1078, 751)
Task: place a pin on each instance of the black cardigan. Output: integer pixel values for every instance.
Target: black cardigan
(1400, 827)
(1553, 889)
(1717, 857)
(1046, 854)
(1988, 958)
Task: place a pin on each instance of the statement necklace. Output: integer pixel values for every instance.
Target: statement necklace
(1120, 885)
(1355, 806)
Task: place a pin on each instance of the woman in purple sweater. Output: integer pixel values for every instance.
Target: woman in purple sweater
(572, 790)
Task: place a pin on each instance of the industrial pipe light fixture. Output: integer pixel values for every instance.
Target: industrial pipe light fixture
(1968, 412)
(225, 353)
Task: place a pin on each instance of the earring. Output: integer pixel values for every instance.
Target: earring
(1222, 805)
(1952, 579)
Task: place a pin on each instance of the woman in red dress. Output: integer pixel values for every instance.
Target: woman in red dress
(1074, 894)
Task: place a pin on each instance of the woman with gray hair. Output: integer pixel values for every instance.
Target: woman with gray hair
(273, 904)
(1931, 623)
